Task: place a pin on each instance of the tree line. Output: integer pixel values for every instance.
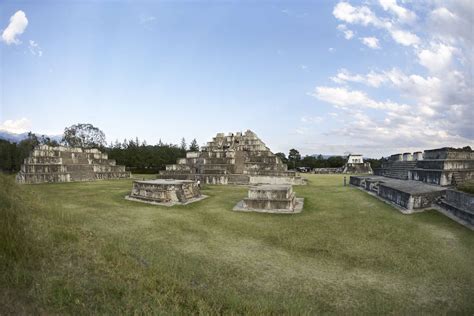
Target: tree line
(294, 160)
(138, 156)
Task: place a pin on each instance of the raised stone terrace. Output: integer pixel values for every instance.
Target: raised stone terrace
(236, 158)
(408, 195)
(444, 166)
(67, 164)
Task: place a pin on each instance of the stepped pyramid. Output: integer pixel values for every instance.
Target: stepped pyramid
(237, 158)
(67, 164)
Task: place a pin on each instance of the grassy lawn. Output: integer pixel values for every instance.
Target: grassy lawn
(347, 252)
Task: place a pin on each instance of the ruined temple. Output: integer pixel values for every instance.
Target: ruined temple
(240, 158)
(68, 164)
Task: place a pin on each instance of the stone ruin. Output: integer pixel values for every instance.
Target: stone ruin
(165, 192)
(355, 164)
(415, 182)
(443, 166)
(271, 199)
(232, 159)
(68, 164)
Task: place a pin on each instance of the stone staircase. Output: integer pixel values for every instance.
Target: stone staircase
(396, 169)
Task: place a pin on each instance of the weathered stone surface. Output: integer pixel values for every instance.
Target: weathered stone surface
(165, 192)
(442, 166)
(408, 195)
(232, 159)
(270, 199)
(66, 164)
(459, 206)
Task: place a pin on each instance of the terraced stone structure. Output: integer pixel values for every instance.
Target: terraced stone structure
(165, 192)
(398, 166)
(232, 159)
(416, 182)
(270, 199)
(444, 166)
(68, 164)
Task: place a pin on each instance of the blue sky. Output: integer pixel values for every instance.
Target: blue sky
(321, 76)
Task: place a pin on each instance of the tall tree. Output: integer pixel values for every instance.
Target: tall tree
(194, 145)
(294, 157)
(183, 145)
(84, 135)
(282, 157)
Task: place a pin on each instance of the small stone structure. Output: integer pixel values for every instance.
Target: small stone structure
(355, 164)
(67, 164)
(236, 158)
(271, 199)
(165, 192)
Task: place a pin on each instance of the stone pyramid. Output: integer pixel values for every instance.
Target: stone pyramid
(67, 164)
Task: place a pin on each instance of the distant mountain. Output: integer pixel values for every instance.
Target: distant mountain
(16, 138)
(327, 156)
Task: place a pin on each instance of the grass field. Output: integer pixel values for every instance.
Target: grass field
(84, 249)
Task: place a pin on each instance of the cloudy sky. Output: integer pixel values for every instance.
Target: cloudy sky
(375, 77)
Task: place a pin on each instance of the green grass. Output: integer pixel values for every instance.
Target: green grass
(347, 252)
(467, 187)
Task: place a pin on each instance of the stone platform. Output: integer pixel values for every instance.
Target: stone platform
(407, 195)
(459, 206)
(271, 199)
(165, 192)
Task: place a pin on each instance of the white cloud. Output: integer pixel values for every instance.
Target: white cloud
(371, 42)
(372, 79)
(312, 119)
(16, 126)
(344, 98)
(144, 19)
(348, 34)
(365, 16)
(17, 25)
(35, 49)
(303, 67)
(403, 14)
(358, 15)
(436, 59)
(404, 37)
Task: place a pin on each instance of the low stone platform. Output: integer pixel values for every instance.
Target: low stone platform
(165, 192)
(459, 206)
(271, 199)
(407, 195)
